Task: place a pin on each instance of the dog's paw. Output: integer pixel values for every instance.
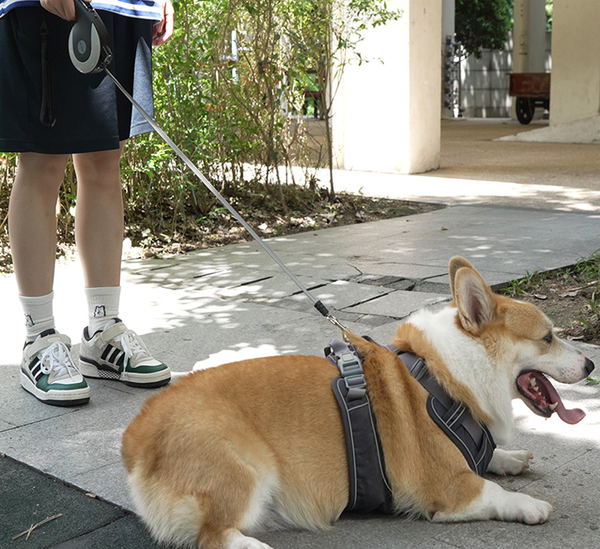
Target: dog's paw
(495, 503)
(513, 506)
(245, 542)
(532, 511)
(509, 462)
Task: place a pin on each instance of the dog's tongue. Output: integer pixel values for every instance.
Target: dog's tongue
(568, 416)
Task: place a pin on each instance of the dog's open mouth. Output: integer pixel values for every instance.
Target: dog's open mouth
(537, 390)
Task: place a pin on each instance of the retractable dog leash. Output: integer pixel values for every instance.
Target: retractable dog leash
(90, 53)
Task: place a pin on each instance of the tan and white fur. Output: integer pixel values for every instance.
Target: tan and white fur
(226, 450)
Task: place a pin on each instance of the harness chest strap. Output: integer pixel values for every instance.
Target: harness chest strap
(369, 486)
(472, 439)
(368, 483)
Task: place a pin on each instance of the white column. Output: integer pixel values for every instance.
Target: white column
(387, 115)
(575, 83)
(448, 13)
(521, 37)
(537, 35)
(529, 38)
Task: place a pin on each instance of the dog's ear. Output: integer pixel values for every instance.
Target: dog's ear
(474, 300)
(456, 263)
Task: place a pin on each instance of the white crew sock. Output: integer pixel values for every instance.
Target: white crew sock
(103, 305)
(39, 315)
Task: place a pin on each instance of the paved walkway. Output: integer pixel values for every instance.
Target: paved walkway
(229, 303)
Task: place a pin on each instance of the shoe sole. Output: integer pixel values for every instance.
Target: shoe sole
(146, 381)
(73, 397)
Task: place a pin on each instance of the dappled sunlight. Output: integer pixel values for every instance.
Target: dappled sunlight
(442, 187)
(241, 351)
(399, 251)
(445, 186)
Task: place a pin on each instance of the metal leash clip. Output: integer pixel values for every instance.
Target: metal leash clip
(339, 325)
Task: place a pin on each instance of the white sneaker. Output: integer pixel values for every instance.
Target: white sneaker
(49, 374)
(118, 353)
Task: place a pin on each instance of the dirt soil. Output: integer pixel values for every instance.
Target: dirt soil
(569, 300)
(221, 228)
(345, 209)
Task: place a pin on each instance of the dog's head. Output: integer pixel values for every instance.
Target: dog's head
(521, 339)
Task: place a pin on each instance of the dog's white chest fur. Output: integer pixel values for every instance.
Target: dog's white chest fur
(471, 364)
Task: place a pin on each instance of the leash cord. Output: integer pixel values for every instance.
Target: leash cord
(317, 303)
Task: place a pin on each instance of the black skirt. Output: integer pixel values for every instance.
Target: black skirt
(68, 112)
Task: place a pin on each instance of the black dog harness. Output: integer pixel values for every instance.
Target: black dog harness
(369, 486)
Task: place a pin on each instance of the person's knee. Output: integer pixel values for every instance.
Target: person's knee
(98, 171)
(44, 172)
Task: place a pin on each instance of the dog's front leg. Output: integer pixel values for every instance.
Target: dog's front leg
(509, 462)
(498, 504)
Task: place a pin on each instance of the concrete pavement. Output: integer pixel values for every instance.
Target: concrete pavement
(478, 167)
(230, 303)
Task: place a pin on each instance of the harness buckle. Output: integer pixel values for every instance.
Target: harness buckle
(351, 369)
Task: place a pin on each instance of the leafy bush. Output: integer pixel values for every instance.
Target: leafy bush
(229, 90)
(483, 24)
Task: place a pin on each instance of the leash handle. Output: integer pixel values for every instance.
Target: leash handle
(88, 43)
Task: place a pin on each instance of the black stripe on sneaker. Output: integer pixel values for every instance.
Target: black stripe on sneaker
(36, 369)
(106, 351)
(114, 356)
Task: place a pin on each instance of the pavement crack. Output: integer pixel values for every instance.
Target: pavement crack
(255, 281)
(310, 288)
(562, 465)
(367, 300)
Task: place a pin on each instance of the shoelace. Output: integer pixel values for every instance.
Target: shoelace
(134, 348)
(58, 359)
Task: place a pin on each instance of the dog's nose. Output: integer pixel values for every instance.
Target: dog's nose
(589, 366)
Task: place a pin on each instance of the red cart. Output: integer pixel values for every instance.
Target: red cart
(531, 89)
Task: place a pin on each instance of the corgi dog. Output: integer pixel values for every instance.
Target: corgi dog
(222, 451)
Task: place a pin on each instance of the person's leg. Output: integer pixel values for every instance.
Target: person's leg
(108, 348)
(32, 221)
(99, 218)
(99, 232)
(32, 228)
(47, 371)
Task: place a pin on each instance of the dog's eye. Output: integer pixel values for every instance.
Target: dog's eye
(548, 338)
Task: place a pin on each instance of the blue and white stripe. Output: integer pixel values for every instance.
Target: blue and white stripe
(141, 9)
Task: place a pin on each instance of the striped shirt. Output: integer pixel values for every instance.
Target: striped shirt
(142, 9)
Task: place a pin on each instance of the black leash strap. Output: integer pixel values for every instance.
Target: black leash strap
(47, 111)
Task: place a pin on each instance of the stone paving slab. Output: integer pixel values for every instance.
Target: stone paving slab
(400, 304)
